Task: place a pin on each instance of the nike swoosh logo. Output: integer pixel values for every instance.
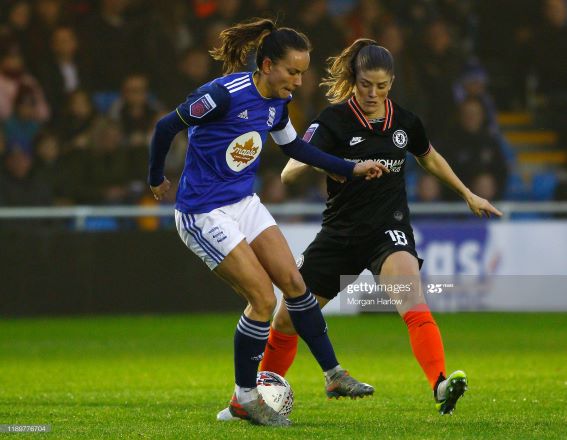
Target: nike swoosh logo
(355, 141)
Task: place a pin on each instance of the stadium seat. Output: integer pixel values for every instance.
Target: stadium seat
(515, 188)
(543, 185)
(101, 224)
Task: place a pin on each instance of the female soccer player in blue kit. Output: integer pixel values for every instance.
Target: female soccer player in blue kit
(224, 223)
(366, 224)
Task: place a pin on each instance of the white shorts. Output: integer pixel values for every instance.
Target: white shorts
(214, 234)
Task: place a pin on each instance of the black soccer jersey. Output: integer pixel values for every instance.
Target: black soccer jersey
(359, 206)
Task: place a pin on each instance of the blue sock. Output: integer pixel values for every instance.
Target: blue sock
(309, 323)
(249, 343)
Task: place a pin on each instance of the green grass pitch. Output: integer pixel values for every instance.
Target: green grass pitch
(167, 376)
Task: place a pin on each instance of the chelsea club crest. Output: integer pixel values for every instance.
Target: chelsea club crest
(400, 138)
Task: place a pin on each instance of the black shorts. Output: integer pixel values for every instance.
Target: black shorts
(330, 255)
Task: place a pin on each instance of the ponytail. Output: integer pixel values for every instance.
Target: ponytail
(260, 34)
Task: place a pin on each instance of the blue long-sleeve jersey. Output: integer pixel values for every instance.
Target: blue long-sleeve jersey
(228, 124)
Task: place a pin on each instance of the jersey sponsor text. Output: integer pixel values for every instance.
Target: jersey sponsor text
(243, 151)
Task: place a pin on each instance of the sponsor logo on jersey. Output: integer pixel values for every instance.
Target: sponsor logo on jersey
(310, 132)
(299, 261)
(399, 216)
(271, 116)
(356, 140)
(394, 165)
(243, 115)
(243, 151)
(400, 138)
(202, 106)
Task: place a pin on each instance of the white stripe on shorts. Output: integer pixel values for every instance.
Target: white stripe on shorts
(195, 232)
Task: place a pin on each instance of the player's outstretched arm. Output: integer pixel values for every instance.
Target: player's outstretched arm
(436, 165)
(295, 169)
(310, 155)
(165, 130)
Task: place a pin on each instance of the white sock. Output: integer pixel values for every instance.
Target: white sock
(245, 395)
(329, 373)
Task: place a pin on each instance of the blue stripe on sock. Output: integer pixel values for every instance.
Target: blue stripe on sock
(256, 325)
(254, 329)
(299, 299)
(251, 333)
(303, 302)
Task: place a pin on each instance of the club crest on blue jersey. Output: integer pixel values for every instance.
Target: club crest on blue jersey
(202, 106)
(243, 151)
(271, 116)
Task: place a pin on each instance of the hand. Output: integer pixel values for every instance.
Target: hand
(481, 207)
(161, 190)
(370, 169)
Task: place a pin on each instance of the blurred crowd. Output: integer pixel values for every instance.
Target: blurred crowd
(82, 83)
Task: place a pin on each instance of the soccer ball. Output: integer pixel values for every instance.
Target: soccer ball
(275, 391)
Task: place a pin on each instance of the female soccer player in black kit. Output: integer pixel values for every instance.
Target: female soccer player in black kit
(366, 223)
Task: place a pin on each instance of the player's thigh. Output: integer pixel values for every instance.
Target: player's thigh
(402, 268)
(394, 258)
(211, 236)
(282, 321)
(215, 237)
(272, 250)
(242, 270)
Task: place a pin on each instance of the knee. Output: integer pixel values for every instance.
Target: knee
(417, 305)
(263, 306)
(292, 283)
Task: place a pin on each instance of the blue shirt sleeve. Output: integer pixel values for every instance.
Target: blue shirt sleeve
(300, 150)
(208, 103)
(166, 129)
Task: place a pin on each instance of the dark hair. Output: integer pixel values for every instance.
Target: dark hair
(260, 34)
(363, 54)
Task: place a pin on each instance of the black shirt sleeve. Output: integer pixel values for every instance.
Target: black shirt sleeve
(418, 141)
(320, 133)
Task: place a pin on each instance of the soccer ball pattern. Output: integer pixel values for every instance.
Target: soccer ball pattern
(276, 391)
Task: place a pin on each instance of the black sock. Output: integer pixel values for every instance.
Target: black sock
(249, 343)
(309, 323)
